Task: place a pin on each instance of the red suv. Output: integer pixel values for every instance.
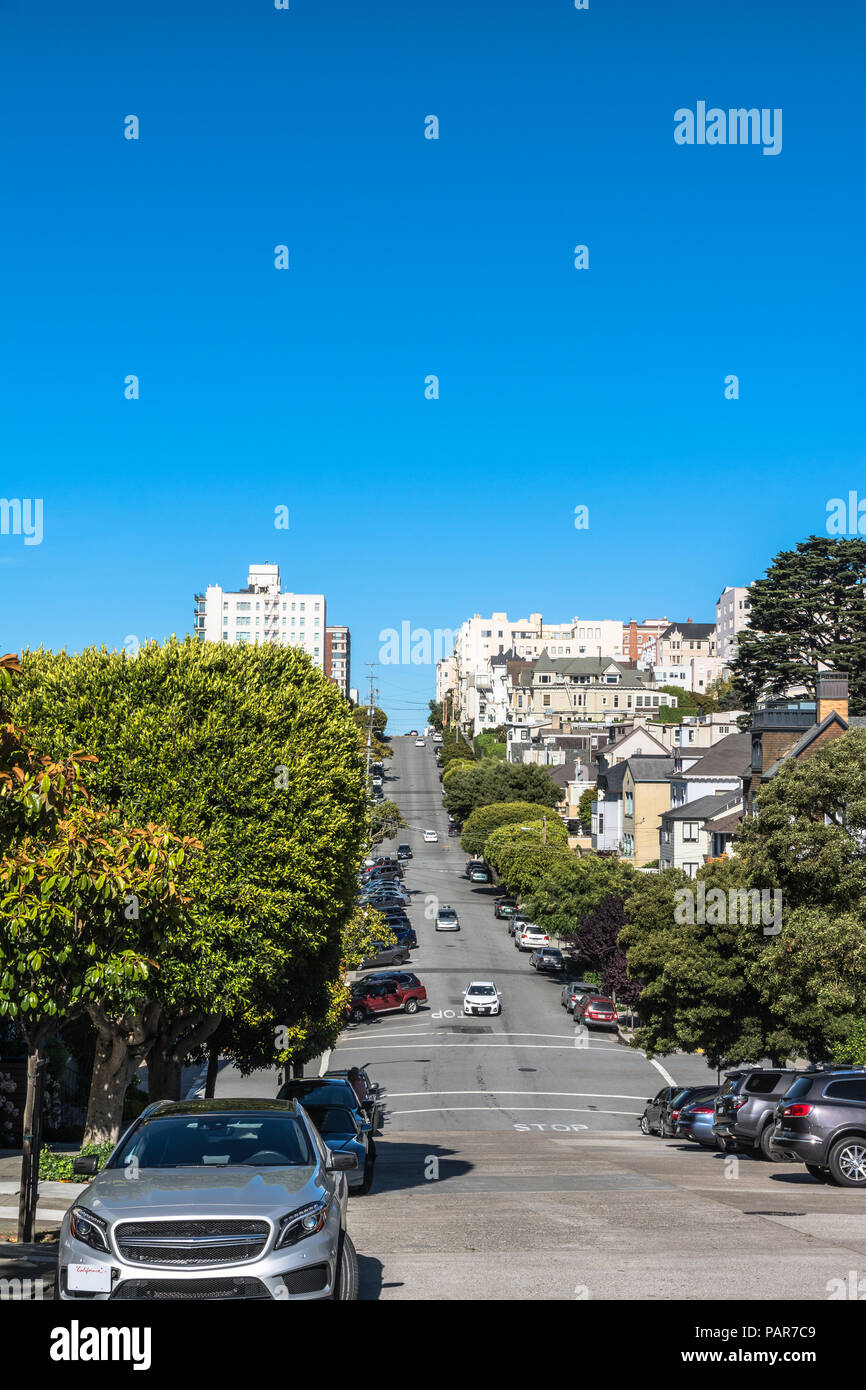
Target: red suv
(595, 1012)
(370, 997)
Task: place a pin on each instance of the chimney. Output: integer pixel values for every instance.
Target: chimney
(832, 694)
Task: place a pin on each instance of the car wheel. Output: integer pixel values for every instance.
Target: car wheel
(644, 1125)
(368, 1176)
(346, 1282)
(764, 1145)
(819, 1174)
(358, 1015)
(848, 1162)
(411, 1006)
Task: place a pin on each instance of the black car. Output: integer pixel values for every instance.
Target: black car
(547, 958)
(404, 852)
(323, 1090)
(652, 1119)
(821, 1122)
(745, 1107)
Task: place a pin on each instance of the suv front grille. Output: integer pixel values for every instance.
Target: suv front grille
(191, 1243)
(189, 1290)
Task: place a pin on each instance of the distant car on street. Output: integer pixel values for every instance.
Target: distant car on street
(528, 937)
(594, 1011)
(447, 919)
(573, 990)
(482, 997)
(504, 907)
(419, 743)
(695, 1121)
(404, 852)
(547, 958)
(381, 996)
(480, 876)
(385, 955)
(430, 837)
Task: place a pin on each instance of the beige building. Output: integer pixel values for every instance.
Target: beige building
(646, 796)
(585, 688)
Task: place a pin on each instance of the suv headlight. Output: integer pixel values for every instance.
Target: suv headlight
(297, 1225)
(89, 1228)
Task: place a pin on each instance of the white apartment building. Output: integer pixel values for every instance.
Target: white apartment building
(732, 615)
(481, 638)
(446, 677)
(262, 613)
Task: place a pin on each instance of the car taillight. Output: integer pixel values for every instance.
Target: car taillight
(675, 1114)
(740, 1102)
(702, 1110)
(797, 1110)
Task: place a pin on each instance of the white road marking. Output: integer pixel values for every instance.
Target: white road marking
(326, 1059)
(658, 1066)
(480, 1042)
(599, 1095)
(491, 1110)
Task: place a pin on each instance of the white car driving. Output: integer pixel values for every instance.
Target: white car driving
(419, 743)
(482, 997)
(430, 837)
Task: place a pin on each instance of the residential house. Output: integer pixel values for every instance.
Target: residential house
(784, 729)
(645, 798)
(687, 836)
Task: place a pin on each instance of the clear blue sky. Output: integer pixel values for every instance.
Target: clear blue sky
(409, 257)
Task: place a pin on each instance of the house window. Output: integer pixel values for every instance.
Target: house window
(690, 830)
(629, 804)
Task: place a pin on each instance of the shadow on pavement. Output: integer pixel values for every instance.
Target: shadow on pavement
(402, 1165)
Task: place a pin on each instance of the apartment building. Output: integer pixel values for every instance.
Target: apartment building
(636, 636)
(587, 688)
(262, 613)
(732, 615)
(645, 799)
(338, 657)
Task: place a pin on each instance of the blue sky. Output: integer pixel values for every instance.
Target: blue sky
(305, 388)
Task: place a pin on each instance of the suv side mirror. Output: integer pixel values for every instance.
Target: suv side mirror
(340, 1162)
(86, 1164)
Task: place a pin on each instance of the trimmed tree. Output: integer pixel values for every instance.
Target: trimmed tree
(485, 819)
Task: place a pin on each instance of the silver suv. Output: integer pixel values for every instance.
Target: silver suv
(212, 1199)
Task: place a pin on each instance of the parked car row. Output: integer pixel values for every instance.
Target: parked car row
(815, 1117)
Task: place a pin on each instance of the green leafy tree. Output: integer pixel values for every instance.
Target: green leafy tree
(435, 717)
(807, 612)
(490, 781)
(385, 818)
(485, 819)
(520, 855)
(584, 809)
(574, 887)
(700, 990)
(252, 752)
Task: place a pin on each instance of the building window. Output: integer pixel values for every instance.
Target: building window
(690, 830)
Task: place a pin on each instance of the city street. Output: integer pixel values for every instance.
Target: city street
(510, 1163)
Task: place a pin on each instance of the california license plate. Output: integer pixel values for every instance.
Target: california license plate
(89, 1278)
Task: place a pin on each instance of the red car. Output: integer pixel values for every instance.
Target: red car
(596, 1012)
(371, 997)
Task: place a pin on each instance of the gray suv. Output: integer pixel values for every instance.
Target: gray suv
(205, 1200)
(745, 1107)
(821, 1121)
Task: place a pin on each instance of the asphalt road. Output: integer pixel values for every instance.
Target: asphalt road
(527, 1067)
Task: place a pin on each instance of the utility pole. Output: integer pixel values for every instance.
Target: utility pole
(544, 830)
(371, 665)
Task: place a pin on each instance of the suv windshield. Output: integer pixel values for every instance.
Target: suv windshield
(195, 1141)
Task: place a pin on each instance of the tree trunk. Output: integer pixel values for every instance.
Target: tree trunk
(213, 1066)
(121, 1046)
(36, 1063)
(178, 1035)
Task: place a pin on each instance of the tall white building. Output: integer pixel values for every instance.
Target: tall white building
(262, 613)
(732, 615)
